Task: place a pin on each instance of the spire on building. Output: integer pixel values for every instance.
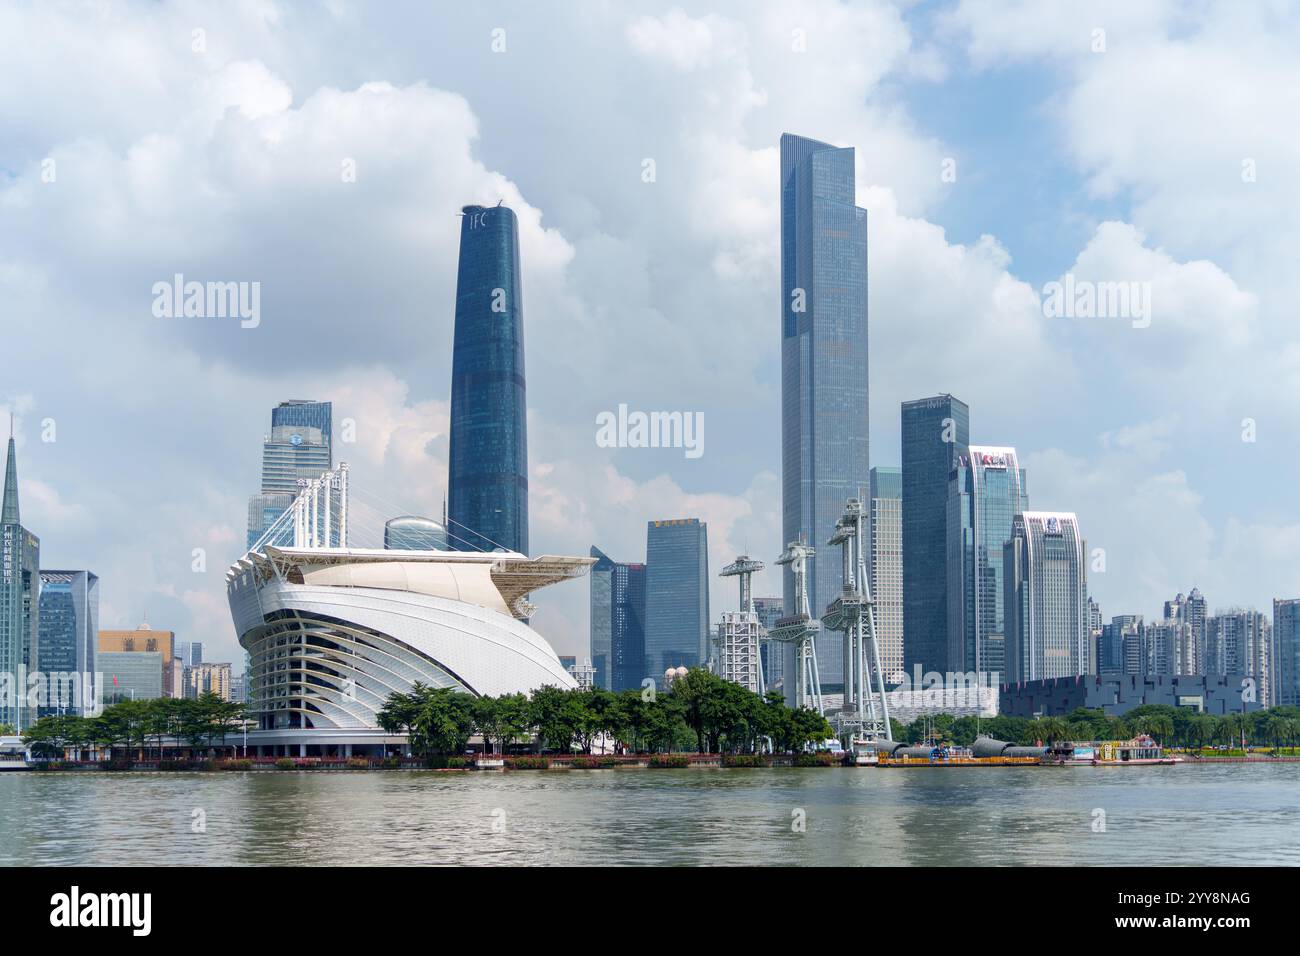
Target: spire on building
(9, 515)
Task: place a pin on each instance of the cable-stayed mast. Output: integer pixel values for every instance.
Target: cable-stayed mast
(800, 629)
(852, 613)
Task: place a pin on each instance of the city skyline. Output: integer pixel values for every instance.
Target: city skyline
(649, 293)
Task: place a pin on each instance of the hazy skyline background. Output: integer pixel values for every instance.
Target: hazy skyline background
(225, 165)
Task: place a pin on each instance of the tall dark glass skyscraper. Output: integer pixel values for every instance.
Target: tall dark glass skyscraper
(824, 410)
(935, 432)
(677, 595)
(618, 608)
(487, 494)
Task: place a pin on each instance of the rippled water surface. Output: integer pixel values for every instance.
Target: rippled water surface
(1183, 815)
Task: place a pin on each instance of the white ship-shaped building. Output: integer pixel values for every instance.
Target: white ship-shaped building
(332, 630)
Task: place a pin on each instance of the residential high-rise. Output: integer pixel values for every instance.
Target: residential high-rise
(487, 489)
(677, 595)
(618, 609)
(986, 491)
(886, 570)
(300, 445)
(68, 633)
(1190, 610)
(1110, 649)
(1094, 632)
(1286, 652)
(935, 432)
(1240, 641)
(20, 587)
(204, 678)
(1045, 577)
(824, 417)
(1171, 648)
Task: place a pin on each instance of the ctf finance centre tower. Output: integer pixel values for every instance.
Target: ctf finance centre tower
(823, 368)
(487, 493)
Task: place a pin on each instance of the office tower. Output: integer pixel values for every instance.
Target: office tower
(411, 533)
(196, 653)
(209, 678)
(487, 496)
(769, 611)
(69, 634)
(618, 614)
(300, 413)
(986, 491)
(1046, 597)
(291, 452)
(133, 675)
(142, 640)
(19, 600)
(181, 651)
(677, 595)
(1239, 642)
(824, 417)
(1286, 652)
(300, 445)
(935, 432)
(886, 570)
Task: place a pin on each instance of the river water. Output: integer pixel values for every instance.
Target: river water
(1181, 815)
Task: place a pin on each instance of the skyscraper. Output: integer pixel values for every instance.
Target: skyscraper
(487, 495)
(1240, 641)
(677, 595)
(824, 416)
(935, 431)
(886, 571)
(618, 609)
(69, 632)
(1286, 652)
(299, 445)
(302, 413)
(1046, 601)
(986, 491)
(19, 600)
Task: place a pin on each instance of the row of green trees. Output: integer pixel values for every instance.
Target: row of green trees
(1172, 726)
(700, 711)
(203, 721)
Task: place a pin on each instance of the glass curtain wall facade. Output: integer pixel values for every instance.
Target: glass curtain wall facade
(986, 492)
(69, 629)
(487, 495)
(677, 595)
(824, 396)
(935, 431)
(1046, 600)
(299, 445)
(19, 599)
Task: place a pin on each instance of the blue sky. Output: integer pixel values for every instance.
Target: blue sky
(220, 159)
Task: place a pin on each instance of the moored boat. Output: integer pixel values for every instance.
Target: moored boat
(1140, 751)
